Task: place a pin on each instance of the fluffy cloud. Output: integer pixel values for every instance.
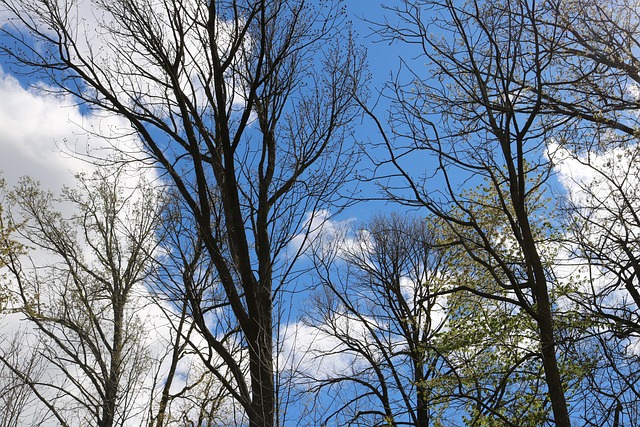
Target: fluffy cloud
(604, 191)
(49, 138)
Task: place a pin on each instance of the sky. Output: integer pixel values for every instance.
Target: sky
(40, 134)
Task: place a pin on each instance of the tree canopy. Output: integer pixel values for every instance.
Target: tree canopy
(221, 262)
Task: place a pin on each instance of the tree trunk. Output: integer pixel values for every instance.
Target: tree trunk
(261, 366)
(544, 318)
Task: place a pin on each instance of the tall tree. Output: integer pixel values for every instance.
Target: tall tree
(407, 341)
(382, 307)
(477, 110)
(245, 106)
(595, 94)
(80, 289)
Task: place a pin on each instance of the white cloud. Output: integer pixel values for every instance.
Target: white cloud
(604, 188)
(312, 352)
(326, 239)
(597, 176)
(321, 234)
(32, 127)
(48, 137)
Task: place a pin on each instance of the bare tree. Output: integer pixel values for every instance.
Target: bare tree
(477, 111)
(83, 293)
(400, 340)
(186, 274)
(380, 309)
(596, 95)
(245, 105)
(596, 62)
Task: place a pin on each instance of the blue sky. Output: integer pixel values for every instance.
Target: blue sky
(38, 133)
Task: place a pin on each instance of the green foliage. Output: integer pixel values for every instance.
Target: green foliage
(491, 342)
(493, 351)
